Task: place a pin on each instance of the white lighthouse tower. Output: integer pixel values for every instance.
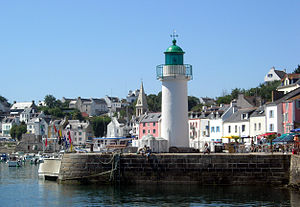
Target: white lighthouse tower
(174, 76)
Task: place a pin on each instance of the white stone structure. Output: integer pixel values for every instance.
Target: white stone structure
(174, 76)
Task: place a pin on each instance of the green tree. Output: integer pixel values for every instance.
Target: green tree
(76, 115)
(197, 108)
(13, 131)
(224, 99)
(99, 124)
(297, 70)
(50, 101)
(57, 112)
(192, 102)
(154, 102)
(17, 131)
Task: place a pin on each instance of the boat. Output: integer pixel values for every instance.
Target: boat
(50, 167)
(3, 157)
(14, 161)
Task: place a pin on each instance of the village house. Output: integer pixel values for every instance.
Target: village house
(117, 128)
(7, 124)
(150, 124)
(289, 83)
(80, 131)
(274, 75)
(91, 107)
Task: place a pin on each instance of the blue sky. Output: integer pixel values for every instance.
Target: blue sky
(95, 48)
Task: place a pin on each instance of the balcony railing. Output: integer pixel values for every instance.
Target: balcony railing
(163, 71)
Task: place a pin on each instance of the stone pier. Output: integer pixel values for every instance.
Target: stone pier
(213, 169)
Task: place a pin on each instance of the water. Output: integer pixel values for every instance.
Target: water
(21, 187)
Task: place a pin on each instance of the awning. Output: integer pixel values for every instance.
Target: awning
(295, 130)
(265, 134)
(289, 137)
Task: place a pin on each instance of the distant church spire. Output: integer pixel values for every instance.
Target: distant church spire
(141, 105)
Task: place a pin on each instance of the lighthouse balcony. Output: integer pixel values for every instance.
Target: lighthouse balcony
(174, 72)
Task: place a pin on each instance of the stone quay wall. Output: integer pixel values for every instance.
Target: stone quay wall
(295, 171)
(213, 169)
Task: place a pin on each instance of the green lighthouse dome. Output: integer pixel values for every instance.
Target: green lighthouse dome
(174, 55)
(174, 48)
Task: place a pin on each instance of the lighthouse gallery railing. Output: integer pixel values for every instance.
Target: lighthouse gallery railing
(173, 70)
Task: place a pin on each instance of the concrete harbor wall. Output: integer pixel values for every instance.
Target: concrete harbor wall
(295, 171)
(216, 169)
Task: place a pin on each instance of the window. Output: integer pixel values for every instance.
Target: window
(229, 129)
(218, 129)
(75, 133)
(80, 139)
(243, 128)
(271, 114)
(235, 128)
(255, 127)
(80, 133)
(244, 116)
(153, 123)
(259, 126)
(144, 131)
(271, 127)
(148, 131)
(298, 104)
(270, 75)
(154, 131)
(148, 124)
(212, 129)
(144, 124)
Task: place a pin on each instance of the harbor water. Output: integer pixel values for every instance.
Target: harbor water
(21, 187)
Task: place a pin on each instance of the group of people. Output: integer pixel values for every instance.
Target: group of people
(146, 150)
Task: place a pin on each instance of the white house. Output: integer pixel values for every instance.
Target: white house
(274, 74)
(199, 130)
(37, 126)
(289, 83)
(239, 124)
(7, 124)
(117, 129)
(26, 115)
(113, 103)
(258, 122)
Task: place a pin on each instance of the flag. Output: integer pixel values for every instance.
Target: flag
(54, 128)
(70, 140)
(46, 142)
(65, 141)
(59, 133)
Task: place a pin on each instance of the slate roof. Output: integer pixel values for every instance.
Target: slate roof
(237, 116)
(280, 73)
(151, 117)
(21, 105)
(99, 100)
(260, 111)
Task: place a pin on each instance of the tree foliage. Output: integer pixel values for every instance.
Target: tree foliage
(192, 102)
(76, 115)
(16, 131)
(297, 70)
(263, 90)
(154, 102)
(99, 124)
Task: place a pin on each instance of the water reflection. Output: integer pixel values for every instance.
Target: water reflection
(21, 187)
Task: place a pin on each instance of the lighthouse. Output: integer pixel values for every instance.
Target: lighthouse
(174, 75)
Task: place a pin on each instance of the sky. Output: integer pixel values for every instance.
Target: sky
(93, 48)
